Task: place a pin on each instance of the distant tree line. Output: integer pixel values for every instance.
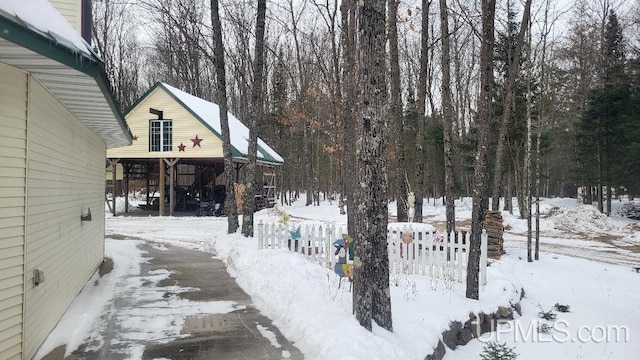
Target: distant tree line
(584, 104)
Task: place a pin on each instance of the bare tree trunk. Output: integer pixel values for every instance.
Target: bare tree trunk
(422, 96)
(230, 208)
(527, 161)
(329, 15)
(508, 194)
(307, 155)
(447, 117)
(609, 195)
(257, 110)
(371, 296)
(481, 178)
(541, 122)
(600, 176)
(348, 19)
(537, 243)
(396, 113)
(506, 108)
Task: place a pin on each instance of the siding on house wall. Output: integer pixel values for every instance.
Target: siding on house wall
(71, 10)
(13, 150)
(66, 177)
(185, 128)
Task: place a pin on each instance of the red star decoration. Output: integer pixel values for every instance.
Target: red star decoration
(181, 147)
(135, 137)
(196, 141)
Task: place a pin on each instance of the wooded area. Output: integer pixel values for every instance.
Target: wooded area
(490, 99)
(583, 58)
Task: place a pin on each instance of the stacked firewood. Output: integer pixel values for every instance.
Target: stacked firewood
(495, 229)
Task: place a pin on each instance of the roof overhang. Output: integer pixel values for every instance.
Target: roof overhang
(76, 78)
(244, 160)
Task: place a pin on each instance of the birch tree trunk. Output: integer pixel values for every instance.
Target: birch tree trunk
(230, 208)
(447, 118)
(481, 178)
(371, 296)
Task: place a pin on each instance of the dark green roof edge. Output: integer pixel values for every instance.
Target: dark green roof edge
(234, 152)
(91, 66)
(140, 99)
(267, 156)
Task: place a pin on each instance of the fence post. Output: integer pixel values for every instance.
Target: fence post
(458, 255)
(332, 257)
(260, 235)
(465, 261)
(281, 230)
(422, 248)
(326, 245)
(483, 258)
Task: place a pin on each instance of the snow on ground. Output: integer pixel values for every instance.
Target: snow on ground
(305, 303)
(604, 317)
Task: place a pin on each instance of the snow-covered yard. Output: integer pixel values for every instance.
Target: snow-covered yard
(305, 303)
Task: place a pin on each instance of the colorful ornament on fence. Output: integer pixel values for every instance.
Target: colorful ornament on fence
(295, 234)
(344, 270)
(344, 247)
(343, 244)
(284, 220)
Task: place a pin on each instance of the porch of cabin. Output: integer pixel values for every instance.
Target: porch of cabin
(182, 187)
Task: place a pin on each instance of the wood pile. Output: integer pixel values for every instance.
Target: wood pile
(493, 225)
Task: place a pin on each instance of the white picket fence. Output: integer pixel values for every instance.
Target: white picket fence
(424, 252)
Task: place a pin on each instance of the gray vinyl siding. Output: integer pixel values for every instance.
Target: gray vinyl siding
(66, 177)
(13, 149)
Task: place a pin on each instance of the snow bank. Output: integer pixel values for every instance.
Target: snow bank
(633, 237)
(582, 219)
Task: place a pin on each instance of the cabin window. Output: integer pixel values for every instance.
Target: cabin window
(160, 135)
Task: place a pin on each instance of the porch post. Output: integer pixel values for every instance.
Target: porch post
(172, 200)
(125, 177)
(161, 186)
(172, 164)
(114, 163)
(147, 167)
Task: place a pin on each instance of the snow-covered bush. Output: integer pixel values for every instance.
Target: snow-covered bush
(494, 351)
